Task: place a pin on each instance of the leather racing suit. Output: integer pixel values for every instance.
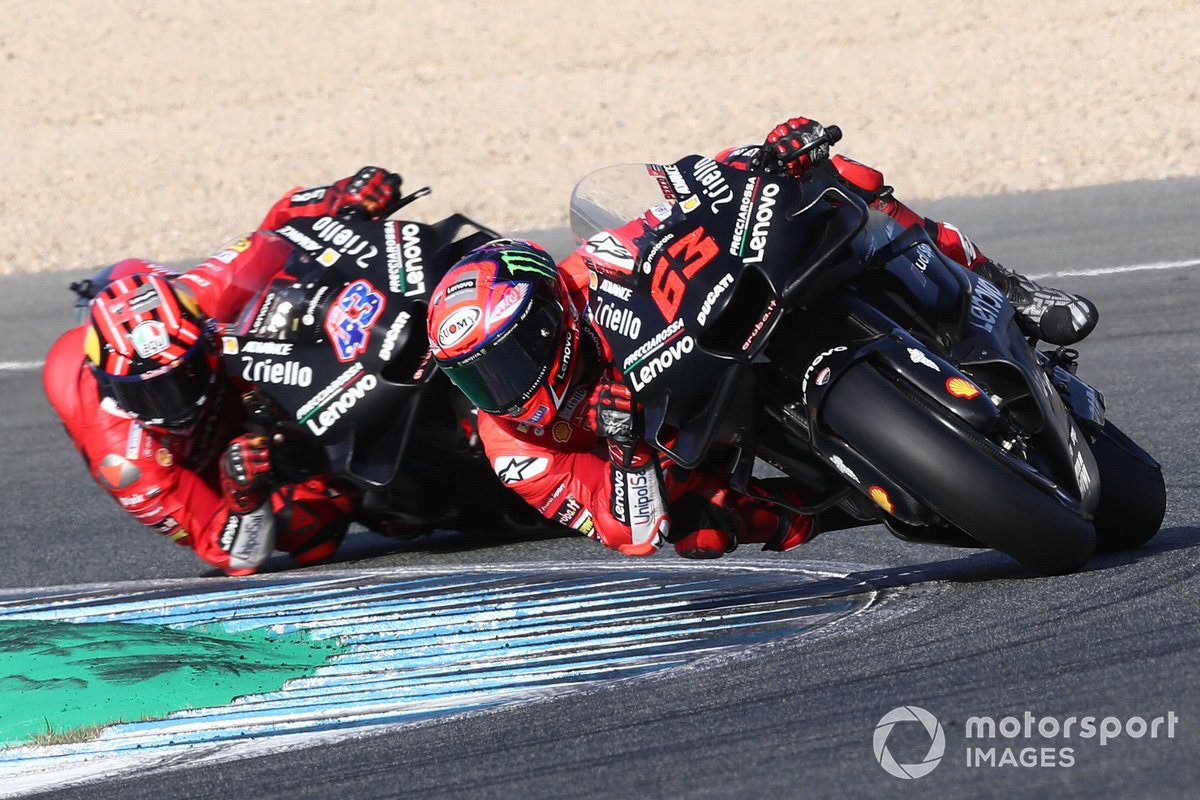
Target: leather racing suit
(170, 481)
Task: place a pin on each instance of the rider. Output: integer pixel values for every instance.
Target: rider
(141, 392)
(512, 331)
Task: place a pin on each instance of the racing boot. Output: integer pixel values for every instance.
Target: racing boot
(706, 543)
(776, 527)
(704, 522)
(1051, 315)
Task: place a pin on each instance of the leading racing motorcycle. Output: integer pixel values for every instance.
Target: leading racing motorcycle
(781, 325)
(335, 348)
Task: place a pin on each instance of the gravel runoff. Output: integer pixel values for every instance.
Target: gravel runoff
(163, 129)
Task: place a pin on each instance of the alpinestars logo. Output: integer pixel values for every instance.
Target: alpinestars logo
(512, 469)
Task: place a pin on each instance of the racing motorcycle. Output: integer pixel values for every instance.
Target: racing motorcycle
(336, 350)
(781, 326)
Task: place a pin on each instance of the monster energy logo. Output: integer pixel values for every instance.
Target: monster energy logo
(518, 261)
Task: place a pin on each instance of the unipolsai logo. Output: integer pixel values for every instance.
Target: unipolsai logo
(901, 716)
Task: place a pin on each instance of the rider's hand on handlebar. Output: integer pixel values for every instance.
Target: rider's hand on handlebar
(262, 412)
(611, 410)
(372, 193)
(782, 151)
(246, 472)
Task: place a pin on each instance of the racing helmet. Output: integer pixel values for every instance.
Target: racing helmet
(152, 350)
(502, 326)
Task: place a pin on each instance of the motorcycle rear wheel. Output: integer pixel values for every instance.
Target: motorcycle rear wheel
(939, 459)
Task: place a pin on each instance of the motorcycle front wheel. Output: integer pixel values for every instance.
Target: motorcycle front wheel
(968, 481)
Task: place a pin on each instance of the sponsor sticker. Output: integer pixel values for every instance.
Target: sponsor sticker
(882, 498)
(513, 469)
(116, 472)
(150, 338)
(919, 357)
(351, 317)
(508, 302)
(282, 373)
(960, 387)
(456, 327)
(608, 248)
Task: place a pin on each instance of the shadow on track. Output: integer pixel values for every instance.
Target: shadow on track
(362, 546)
(983, 566)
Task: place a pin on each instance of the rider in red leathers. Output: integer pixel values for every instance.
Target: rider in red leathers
(140, 391)
(558, 421)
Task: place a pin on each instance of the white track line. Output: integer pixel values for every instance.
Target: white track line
(1071, 273)
(20, 366)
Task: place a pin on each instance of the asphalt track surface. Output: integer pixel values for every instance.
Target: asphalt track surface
(982, 636)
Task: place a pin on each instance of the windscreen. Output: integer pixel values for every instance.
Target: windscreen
(612, 196)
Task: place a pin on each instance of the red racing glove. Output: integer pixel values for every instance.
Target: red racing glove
(372, 193)
(246, 472)
(781, 152)
(610, 411)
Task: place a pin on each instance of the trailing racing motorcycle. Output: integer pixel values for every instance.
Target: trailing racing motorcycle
(781, 324)
(335, 347)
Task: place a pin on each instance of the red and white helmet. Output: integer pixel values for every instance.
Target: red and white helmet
(152, 350)
(503, 328)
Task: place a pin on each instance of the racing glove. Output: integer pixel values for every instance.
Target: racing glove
(372, 193)
(781, 152)
(638, 499)
(611, 410)
(248, 533)
(246, 472)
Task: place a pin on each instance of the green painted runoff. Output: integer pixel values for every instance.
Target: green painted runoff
(65, 675)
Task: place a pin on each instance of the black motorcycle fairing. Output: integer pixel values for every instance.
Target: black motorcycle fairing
(337, 339)
(736, 289)
(702, 313)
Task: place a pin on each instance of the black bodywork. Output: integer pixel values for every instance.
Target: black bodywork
(759, 293)
(338, 340)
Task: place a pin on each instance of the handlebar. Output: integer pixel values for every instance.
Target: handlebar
(833, 135)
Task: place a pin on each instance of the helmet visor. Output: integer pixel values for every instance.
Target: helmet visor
(171, 397)
(507, 372)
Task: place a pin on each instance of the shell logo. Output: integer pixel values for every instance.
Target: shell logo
(960, 387)
(882, 499)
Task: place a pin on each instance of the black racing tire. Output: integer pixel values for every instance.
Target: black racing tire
(1133, 495)
(936, 457)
